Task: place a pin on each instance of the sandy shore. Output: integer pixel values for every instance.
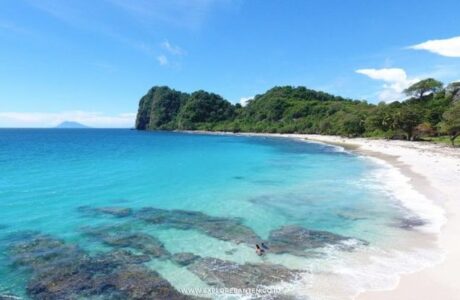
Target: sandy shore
(434, 170)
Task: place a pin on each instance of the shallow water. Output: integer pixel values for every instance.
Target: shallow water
(51, 181)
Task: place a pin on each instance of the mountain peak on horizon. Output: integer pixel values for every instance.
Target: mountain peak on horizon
(71, 125)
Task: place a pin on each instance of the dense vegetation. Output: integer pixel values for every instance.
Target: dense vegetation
(431, 110)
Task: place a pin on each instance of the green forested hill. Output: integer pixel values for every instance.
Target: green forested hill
(430, 110)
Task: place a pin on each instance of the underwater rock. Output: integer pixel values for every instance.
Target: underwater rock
(295, 240)
(409, 223)
(137, 282)
(115, 211)
(184, 258)
(36, 251)
(107, 281)
(122, 257)
(123, 238)
(225, 229)
(66, 280)
(139, 241)
(101, 231)
(62, 271)
(351, 215)
(221, 273)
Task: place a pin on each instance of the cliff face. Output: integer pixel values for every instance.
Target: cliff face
(168, 109)
(143, 112)
(159, 108)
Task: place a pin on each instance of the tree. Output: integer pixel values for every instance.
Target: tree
(405, 119)
(451, 122)
(166, 104)
(380, 119)
(453, 86)
(159, 107)
(298, 109)
(419, 89)
(204, 107)
(423, 129)
(453, 90)
(352, 125)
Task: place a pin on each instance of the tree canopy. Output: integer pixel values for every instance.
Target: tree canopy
(422, 87)
(288, 109)
(451, 122)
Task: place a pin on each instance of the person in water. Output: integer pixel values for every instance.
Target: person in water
(264, 246)
(259, 250)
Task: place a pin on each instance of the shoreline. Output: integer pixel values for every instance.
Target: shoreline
(434, 171)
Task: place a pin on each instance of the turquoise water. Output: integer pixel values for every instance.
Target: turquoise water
(264, 183)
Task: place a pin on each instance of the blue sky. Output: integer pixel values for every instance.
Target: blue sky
(91, 61)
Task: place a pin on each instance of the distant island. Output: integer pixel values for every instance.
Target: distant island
(431, 111)
(71, 125)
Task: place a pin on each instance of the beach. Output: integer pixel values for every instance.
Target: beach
(434, 171)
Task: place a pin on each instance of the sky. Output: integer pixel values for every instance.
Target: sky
(92, 60)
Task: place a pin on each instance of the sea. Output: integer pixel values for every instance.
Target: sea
(191, 209)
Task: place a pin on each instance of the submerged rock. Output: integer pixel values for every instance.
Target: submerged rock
(122, 257)
(137, 282)
(221, 273)
(409, 223)
(62, 271)
(226, 229)
(36, 251)
(184, 258)
(351, 215)
(295, 240)
(124, 238)
(104, 230)
(140, 241)
(106, 281)
(115, 211)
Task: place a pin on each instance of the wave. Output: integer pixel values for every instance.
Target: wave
(374, 268)
(399, 186)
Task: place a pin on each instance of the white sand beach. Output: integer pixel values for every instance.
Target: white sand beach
(434, 171)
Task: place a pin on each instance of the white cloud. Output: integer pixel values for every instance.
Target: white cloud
(447, 47)
(42, 119)
(244, 100)
(173, 49)
(395, 81)
(162, 60)
(386, 74)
